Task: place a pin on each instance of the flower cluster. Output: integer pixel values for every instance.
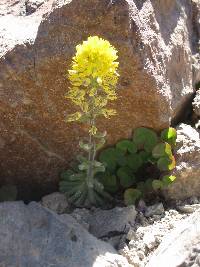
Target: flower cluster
(93, 78)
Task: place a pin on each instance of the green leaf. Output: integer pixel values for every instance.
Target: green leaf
(168, 179)
(169, 135)
(100, 144)
(166, 163)
(119, 157)
(81, 158)
(108, 156)
(112, 157)
(98, 167)
(127, 145)
(84, 118)
(126, 176)
(131, 195)
(141, 186)
(162, 150)
(145, 138)
(97, 163)
(110, 182)
(134, 161)
(86, 147)
(77, 177)
(148, 184)
(100, 135)
(157, 184)
(145, 156)
(83, 166)
(66, 174)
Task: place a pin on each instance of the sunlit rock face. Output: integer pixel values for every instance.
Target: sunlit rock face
(181, 247)
(155, 40)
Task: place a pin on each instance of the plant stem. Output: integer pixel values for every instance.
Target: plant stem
(91, 158)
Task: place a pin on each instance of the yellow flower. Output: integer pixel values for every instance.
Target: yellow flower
(94, 76)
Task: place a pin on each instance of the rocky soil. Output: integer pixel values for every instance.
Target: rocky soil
(34, 235)
(139, 234)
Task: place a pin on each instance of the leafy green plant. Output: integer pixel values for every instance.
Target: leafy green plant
(93, 84)
(140, 166)
(131, 195)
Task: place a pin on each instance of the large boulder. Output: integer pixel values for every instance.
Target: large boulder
(181, 247)
(155, 40)
(187, 169)
(36, 237)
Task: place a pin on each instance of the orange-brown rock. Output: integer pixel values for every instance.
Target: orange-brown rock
(155, 40)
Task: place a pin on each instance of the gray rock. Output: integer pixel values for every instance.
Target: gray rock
(141, 207)
(33, 5)
(36, 237)
(104, 223)
(156, 209)
(187, 171)
(82, 216)
(56, 202)
(196, 103)
(181, 247)
(189, 208)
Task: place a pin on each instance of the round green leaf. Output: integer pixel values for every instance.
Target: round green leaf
(157, 184)
(109, 182)
(108, 156)
(145, 156)
(127, 145)
(162, 150)
(134, 161)
(166, 163)
(131, 195)
(141, 187)
(169, 135)
(145, 138)
(120, 157)
(168, 179)
(126, 176)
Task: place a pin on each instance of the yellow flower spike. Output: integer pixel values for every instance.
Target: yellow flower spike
(93, 77)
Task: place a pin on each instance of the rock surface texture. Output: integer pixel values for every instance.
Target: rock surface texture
(181, 247)
(106, 222)
(155, 40)
(187, 168)
(56, 202)
(196, 104)
(35, 237)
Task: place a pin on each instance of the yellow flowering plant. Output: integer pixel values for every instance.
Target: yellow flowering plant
(93, 79)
